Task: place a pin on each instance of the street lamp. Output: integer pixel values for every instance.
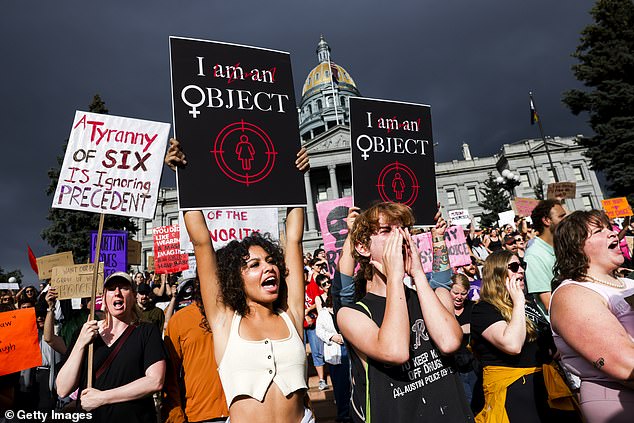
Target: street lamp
(508, 180)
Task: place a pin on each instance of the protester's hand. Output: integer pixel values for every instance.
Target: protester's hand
(441, 224)
(393, 264)
(51, 296)
(92, 398)
(88, 332)
(515, 290)
(353, 212)
(338, 339)
(414, 265)
(302, 160)
(175, 156)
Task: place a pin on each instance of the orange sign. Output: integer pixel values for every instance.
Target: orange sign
(19, 345)
(617, 207)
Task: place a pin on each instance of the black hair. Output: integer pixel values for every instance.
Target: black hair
(541, 211)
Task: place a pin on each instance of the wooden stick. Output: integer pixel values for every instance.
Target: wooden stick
(93, 295)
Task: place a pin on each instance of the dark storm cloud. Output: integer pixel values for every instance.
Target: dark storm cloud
(473, 62)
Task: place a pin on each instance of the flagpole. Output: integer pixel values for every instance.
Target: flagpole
(332, 86)
(541, 131)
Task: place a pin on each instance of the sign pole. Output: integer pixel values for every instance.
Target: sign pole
(93, 294)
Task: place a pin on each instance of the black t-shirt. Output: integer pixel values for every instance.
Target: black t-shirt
(423, 389)
(533, 353)
(143, 348)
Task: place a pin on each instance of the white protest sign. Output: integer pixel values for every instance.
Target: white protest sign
(226, 225)
(507, 217)
(112, 165)
(459, 217)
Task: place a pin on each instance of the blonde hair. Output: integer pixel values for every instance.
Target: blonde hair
(494, 290)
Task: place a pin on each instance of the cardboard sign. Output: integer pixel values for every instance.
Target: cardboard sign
(558, 190)
(616, 207)
(46, 264)
(425, 249)
(167, 253)
(150, 263)
(134, 252)
(112, 165)
(236, 117)
(113, 252)
(524, 206)
(76, 281)
(19, 344)
(457, 247)
(393, 155)
(334, 228)
(630, 243)
(226, 225)
(459, 217)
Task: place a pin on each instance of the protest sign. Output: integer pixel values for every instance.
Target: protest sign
(524, 206)
(113, 252)
(112, 165)
(226, 225)
(134, 252)
(459, 217)
(19, 344)
(167, 253)
(616, 207)
(393, 155)
(6, 285)
(76, 281)
(191, 271)
(630, 243)
(150, 263)
(45, 264)
(334, 228)
(425, 249)
(559, 190)
(457, 248)
(506, 218)
(235, 115)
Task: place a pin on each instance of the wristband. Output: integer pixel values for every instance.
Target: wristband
(437, 239)
(49, 310)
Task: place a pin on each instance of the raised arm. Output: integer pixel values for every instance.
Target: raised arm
(56, 342)
(346, 262)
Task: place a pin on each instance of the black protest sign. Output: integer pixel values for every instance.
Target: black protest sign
(236, 119)
(393, 155)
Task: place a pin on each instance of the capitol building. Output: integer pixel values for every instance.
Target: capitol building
(324, 126)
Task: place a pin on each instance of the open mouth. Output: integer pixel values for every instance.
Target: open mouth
(118, 304)
(270, 284)
(613, 245)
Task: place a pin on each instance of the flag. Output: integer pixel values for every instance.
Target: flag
(334, 72)
(32, 260)
(534, 117)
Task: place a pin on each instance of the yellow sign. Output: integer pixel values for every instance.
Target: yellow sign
(45, 264)
(76, 281)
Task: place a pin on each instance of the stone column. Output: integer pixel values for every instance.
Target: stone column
(332, 170)
(310, 208)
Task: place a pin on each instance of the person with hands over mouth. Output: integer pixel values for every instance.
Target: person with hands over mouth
(397, 335)
(129, 359)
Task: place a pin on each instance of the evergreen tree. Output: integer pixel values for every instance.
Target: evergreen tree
(496, 200)
(70, 229)
(606, 68)
(4, 276)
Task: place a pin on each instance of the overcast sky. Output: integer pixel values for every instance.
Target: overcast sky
(473, 62)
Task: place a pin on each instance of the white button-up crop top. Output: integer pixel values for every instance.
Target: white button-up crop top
(249, 367)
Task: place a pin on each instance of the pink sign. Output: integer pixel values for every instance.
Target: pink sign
(334, 230)
(457, 246)
(167, 253)
(425, 249)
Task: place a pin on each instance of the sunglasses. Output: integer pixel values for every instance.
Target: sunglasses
(514, 266)
(326, 284)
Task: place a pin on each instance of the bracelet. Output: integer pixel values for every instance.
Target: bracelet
(50, 309)
(437, 239)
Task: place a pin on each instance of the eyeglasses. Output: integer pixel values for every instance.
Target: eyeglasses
(514, 266)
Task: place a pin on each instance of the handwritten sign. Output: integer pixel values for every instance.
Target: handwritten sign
(425, 249)
(45, 264)
(393, 155)
(113, 252)
(235, 114)
(19, 345)
(459, 217)
(334, 229)
(167, 253)
(457, 246)
(524, 206)
(112, 165)
(76, 281)
(558, 190)
(506, 218)
(617, 207)
(226, 225)
(134, 252)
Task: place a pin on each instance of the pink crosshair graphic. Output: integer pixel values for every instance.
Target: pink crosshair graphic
(397, 177)
(252, 140)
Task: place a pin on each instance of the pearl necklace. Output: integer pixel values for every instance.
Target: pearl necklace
(618, 285)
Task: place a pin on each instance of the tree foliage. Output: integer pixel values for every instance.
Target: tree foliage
(4, 276)
(606, 68)
(496, 200)
(70, 229)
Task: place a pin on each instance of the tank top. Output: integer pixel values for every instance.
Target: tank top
(618, 306)
(249, 367)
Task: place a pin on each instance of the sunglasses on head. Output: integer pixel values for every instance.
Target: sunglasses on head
(514, 266)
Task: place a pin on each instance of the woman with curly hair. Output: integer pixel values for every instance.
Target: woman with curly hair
(512, 341)
(254, 302)
(592, 317)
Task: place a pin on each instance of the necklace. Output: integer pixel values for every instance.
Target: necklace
(618, 285)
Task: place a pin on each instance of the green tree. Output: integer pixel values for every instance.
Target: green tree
(606, 68)
(70, 229)
(496, 200)
(4, 276)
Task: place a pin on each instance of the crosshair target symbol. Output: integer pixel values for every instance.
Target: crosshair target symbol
(399, 179)
(248, 143)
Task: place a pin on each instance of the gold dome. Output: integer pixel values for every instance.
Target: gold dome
(321, 75)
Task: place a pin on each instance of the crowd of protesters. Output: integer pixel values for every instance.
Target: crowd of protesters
(538, 327)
